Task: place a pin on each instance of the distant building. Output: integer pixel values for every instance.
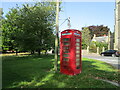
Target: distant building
(109, 39)
(106, 39)
(100, 39)
(117, 26)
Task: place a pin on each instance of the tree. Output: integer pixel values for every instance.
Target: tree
(98, 30)
(88, 33)
(86, 37)
(94, 45)
(1, 12)
(31, 27)
(8, 31)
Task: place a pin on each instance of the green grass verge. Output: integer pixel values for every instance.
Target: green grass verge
(36, 72)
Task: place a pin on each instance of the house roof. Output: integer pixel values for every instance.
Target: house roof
(100, 39)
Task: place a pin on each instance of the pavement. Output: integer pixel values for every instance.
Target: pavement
(114, 61)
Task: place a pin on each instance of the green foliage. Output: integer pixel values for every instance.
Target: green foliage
(88, 33)
(30, 27)
(98, 30)
(1, 18)
(17, 73)
(84, 46)
(94, 45)
(86, 37)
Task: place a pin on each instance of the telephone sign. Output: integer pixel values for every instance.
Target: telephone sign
(70, 52)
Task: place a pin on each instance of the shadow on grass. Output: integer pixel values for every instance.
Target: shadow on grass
(37, 72)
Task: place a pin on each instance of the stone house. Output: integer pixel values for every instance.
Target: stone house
(117, 26)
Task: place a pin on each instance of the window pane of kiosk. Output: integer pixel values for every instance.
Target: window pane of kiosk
(77, 51)
(77, 40)
(66, 43)
(66, 33)
(66, 51)
(65, 59)
(77, 47)
(77, 44)
(66, 47)
(65, 55)
(76, 34)
(78, 63)
(77, 59)
(66, 39)
(77, 55)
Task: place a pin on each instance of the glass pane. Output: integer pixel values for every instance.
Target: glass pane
(77, 47)
(77, 44)
(66, 39)
(66, 33)
(77, 64)
(66, 47)
(76, 34)
(66, 43)
(77, 40)
(65, 55)
(66, 51)
(77, 51)
(65, 59)
(77, 55)
(77, 59)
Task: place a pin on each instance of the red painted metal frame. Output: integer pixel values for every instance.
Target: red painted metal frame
(69, 67)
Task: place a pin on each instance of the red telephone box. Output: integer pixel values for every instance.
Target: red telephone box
(70, 52)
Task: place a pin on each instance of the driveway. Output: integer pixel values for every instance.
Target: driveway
(114, 61)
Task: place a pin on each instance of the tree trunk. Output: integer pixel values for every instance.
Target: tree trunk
(39, 52)
(45, 52)
(16, 52)
(32, 52)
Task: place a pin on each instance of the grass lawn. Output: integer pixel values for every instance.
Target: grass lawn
(36, 72)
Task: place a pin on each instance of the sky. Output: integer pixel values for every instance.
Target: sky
(81, 12)
(88, 13)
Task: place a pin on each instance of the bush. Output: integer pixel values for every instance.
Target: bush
(84, 46)
(93, 48)
(94, 45)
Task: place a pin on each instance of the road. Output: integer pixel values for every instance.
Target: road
(114, 61)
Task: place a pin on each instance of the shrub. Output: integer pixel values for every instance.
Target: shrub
(94, 45)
